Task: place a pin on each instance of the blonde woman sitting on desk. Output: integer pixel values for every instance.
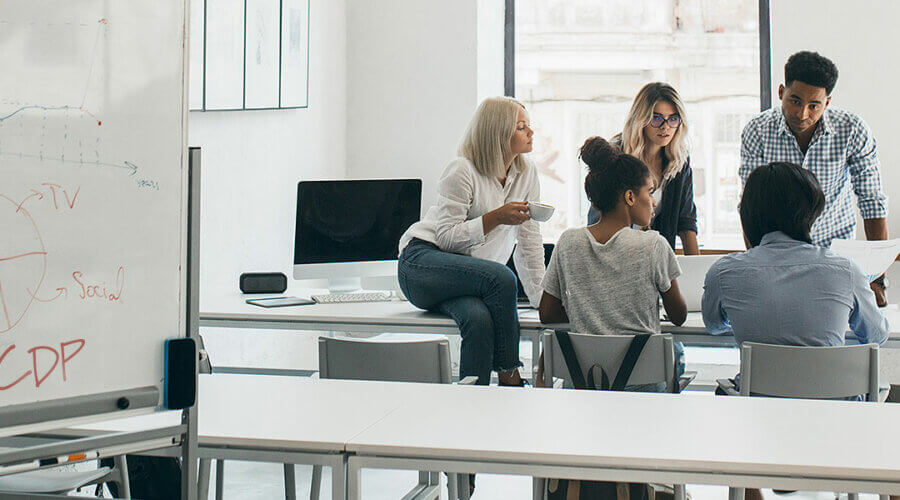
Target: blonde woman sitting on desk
(452, 261)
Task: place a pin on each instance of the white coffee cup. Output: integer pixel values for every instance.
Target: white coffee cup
(540, 212)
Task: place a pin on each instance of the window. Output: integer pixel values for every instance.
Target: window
(579, 64)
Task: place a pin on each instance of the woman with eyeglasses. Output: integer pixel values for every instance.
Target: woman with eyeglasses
(655, 132)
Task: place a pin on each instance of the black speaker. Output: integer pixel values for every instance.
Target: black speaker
(263, 282)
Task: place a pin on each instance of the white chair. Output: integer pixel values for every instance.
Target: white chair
(805, 372)
(393, 358)
(58, 482)
(656, 365)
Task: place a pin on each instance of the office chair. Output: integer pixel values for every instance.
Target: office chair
(782, 371)
(656, 365)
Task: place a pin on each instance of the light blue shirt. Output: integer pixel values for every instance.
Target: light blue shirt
(788, 292)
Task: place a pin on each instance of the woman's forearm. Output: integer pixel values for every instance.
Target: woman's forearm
(689, 242)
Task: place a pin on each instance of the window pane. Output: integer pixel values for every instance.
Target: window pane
(579, 64)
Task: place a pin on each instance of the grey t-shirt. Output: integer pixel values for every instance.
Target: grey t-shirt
(611, 288)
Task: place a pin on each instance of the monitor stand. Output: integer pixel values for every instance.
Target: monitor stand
(344, 285)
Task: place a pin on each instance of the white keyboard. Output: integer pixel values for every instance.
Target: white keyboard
(340, 298)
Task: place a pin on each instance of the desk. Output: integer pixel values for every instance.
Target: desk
(617, 436)
(230, 311)
(693, 331)
(277, 419)
(607, 435)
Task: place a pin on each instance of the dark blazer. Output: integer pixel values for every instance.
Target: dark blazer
(676, 211)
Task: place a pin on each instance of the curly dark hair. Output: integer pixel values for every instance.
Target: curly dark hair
(811, 69)
(610, 173)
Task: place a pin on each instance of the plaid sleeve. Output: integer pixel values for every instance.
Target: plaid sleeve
(751, 150)
(865, 172)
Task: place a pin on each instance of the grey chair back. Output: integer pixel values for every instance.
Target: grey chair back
(426, 361)
(809, 372)
(656, 363)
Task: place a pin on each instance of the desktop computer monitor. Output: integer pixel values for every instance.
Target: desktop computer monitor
(346, 230)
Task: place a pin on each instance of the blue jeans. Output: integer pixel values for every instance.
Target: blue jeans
(480, 296)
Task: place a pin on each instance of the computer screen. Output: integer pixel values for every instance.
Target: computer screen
(353, 220)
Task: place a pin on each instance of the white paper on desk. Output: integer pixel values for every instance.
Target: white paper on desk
(873, 257)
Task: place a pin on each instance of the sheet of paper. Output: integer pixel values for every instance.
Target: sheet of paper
(873, 257)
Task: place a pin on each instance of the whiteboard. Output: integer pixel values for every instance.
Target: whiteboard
(92, 194)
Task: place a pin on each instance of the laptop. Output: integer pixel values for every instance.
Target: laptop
(693, 275)
(522, 298)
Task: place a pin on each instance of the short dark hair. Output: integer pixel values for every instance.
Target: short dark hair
(811, 69)
(610, 173)
(782, 197)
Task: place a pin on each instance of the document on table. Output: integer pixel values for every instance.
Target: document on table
(873, 257)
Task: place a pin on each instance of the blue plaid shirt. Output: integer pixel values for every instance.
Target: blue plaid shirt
(841, 154)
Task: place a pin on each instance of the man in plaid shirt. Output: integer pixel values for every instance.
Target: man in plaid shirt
(835, 145)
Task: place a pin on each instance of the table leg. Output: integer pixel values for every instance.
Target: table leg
(354, 481)
(203, 479)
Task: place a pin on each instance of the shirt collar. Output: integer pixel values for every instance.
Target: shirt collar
(823, 127)
(777, 237)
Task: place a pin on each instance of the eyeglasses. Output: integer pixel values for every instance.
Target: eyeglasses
(657, 121)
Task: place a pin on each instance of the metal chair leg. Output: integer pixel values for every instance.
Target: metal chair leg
(203, 479)
(315, 484)
(538, 485)
(220, 479)
(735, 493)
(290, 482)
(463, 481)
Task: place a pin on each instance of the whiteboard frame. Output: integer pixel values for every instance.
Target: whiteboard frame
(62, 412)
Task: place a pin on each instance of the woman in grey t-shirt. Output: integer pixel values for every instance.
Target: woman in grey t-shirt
(605, 278)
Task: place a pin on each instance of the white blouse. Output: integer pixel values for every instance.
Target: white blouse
(455, 223)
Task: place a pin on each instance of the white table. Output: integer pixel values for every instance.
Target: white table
(230, 311)
(292, 420)
(789, 444)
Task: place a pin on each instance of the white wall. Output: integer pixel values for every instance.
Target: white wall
(252, 161)
(412, 85)
(858, 39)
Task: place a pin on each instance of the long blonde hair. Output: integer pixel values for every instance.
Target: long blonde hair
(632, 136)
(486, 142)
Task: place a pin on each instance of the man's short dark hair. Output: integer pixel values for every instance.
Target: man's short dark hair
(811, 69)
(780, 197)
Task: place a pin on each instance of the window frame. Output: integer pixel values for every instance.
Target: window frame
(765, 65)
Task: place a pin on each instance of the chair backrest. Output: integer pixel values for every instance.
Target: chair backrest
(809, 372)
(426, 361)
(656, 363)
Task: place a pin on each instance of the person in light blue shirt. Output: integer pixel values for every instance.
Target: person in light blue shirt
(783, 289)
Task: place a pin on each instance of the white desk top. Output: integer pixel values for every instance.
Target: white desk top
(826, 439)
(660, 431)
(398, 313)
(274, 412)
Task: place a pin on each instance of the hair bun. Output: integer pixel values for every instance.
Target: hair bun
(597, 152)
